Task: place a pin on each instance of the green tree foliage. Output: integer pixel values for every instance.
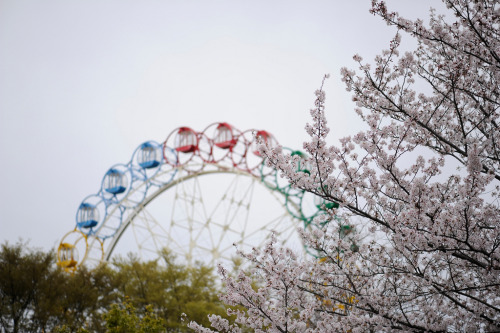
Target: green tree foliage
(23, 277)
(124, 318)
(36, 295)
(127, 296)
(84, 297)
(171, 288)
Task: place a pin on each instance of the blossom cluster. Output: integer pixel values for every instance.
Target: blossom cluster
(424, 178)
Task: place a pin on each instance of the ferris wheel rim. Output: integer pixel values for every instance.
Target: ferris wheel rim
(238, 157)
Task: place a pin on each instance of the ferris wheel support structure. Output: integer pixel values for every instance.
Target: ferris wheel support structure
(177, 168)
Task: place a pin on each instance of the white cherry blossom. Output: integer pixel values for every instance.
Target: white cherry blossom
(432, 261)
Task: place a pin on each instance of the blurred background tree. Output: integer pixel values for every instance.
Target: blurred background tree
(38, 296)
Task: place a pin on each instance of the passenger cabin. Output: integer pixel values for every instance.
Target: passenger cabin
(115, 181)
(87, 216)
(186, 140)
(68, 256)
(224, 137)
(149, 155)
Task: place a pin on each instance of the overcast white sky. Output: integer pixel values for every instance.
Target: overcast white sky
(83, 83)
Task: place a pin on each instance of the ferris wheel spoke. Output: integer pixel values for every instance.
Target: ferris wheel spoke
(188, 203)
(232, 207)
(144, 227)
(249, 194)
(192, 202)
(205, 220)
(238, 206)
(278, 219)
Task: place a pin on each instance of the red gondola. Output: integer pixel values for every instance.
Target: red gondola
(186, 140)
(224, 137)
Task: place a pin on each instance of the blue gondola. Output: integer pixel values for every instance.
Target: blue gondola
(149, 155)
(87, 216)
(115, 181)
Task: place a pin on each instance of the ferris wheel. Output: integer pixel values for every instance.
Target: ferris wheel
(196, 194)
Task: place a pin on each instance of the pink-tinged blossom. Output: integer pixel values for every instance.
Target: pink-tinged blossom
(423, 180)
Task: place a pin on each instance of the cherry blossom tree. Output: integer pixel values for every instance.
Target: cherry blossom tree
(424, 180)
